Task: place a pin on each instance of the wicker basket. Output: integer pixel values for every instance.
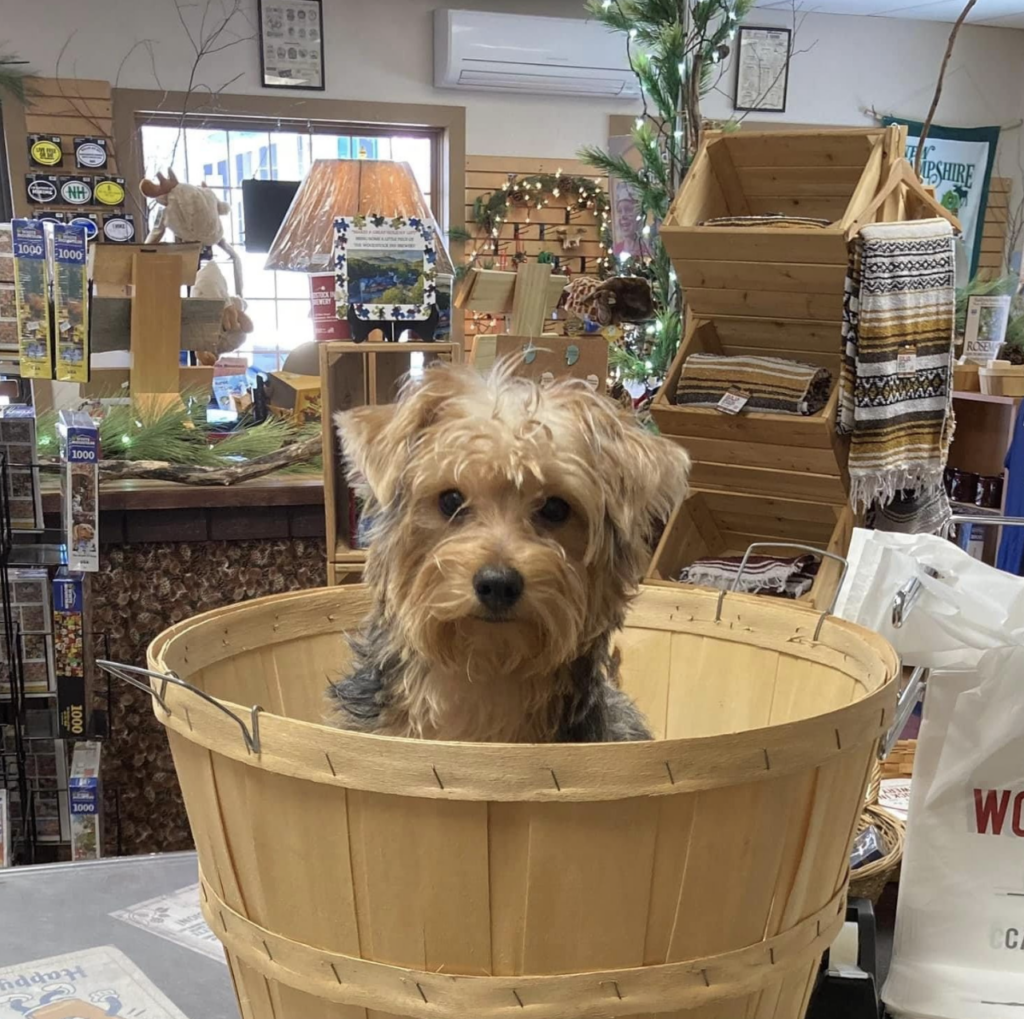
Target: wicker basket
(869, 881)
(346, 872)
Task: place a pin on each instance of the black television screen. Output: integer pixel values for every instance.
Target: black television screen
(264, 206)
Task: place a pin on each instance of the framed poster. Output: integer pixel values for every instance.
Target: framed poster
(957, 162)
(762, 68)
(385, 268)
(292, 44)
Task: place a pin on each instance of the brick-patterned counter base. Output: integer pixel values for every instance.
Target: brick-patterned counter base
(142, 589)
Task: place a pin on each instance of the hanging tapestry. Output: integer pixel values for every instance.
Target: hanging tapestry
(957, 162)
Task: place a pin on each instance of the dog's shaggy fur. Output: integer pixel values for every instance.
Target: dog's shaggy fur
(555, 489)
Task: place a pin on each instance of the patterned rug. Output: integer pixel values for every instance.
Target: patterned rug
(895, 382)
(775, 384)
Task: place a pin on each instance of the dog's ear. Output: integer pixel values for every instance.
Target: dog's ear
(644, 474)
(365, 447)
(377, 443)
(654, 475)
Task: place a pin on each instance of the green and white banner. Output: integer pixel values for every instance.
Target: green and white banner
(957, 162)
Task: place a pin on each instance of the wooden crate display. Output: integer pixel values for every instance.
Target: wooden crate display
(772, 271)
(359, 375)
(715, 523)
(770, 454)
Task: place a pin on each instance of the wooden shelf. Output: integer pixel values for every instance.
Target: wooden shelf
(985, 398)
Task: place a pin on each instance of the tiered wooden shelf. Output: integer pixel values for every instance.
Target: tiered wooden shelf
(359, 375)
(771, 290)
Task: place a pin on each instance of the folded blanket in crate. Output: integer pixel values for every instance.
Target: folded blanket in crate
(776, 220)
(789, 577)
(775, 385)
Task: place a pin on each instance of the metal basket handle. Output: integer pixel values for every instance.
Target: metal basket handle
(129, 674)
(845, 564)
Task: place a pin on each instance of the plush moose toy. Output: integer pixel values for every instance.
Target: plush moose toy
(192, 214)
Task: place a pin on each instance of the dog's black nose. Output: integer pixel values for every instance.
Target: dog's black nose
(498, 587)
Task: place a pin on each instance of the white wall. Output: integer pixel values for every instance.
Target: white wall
(383, 49)
(858, 63)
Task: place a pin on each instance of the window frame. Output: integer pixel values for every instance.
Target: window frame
(444, 126)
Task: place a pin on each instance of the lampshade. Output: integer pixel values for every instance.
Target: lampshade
(347, 187)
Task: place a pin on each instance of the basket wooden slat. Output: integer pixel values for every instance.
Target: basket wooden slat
(347, 873)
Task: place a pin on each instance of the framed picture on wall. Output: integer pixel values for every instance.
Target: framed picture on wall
(292, 44)
(762, 68)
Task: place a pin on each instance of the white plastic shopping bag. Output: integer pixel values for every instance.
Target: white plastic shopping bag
(964, 606)
(959, 946)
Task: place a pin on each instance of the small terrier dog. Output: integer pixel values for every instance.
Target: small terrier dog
(511, 525)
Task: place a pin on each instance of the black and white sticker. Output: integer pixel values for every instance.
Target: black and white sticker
(48, 216)
(91, 153)
(76, 190)
(119, 228)
(40, 189)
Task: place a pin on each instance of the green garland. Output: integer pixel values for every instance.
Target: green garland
(178, 435)
(536, 191)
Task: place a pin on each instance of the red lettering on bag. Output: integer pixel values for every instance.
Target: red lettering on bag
(1018, 804)
(990, 810)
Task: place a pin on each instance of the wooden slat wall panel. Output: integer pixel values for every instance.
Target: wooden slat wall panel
(530, 230)
(67, 108)
(993, 238)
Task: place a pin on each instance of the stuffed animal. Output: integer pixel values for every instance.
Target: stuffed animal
(570, 236)
(192, 214)
(611, 301)
(234, 323)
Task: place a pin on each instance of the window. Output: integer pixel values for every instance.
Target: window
(278, 302)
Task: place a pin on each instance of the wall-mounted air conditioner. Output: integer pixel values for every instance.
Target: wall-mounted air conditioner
(526, 53)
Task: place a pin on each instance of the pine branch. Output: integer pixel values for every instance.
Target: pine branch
(13, 75)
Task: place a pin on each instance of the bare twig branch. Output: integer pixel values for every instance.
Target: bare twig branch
(926, 126)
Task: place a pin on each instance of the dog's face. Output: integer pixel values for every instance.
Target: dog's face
(510, 521)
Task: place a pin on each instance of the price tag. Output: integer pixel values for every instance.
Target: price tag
(906, 361)
(733, 401)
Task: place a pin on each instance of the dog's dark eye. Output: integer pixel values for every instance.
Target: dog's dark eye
(554, 510)
(450, 502)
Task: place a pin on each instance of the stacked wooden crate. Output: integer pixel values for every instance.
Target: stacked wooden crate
(768, 290)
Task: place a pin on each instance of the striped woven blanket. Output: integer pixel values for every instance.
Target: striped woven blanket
(788, 576)
(775, 385)
(777, 220)
(899, 300)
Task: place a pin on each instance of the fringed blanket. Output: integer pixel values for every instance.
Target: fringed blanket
(920, 512)
(775, 385)
(899, 299)
(789, 577)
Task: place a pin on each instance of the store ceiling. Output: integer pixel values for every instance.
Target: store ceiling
(997, 13)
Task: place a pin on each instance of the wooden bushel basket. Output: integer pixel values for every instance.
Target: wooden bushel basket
(701, 874)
